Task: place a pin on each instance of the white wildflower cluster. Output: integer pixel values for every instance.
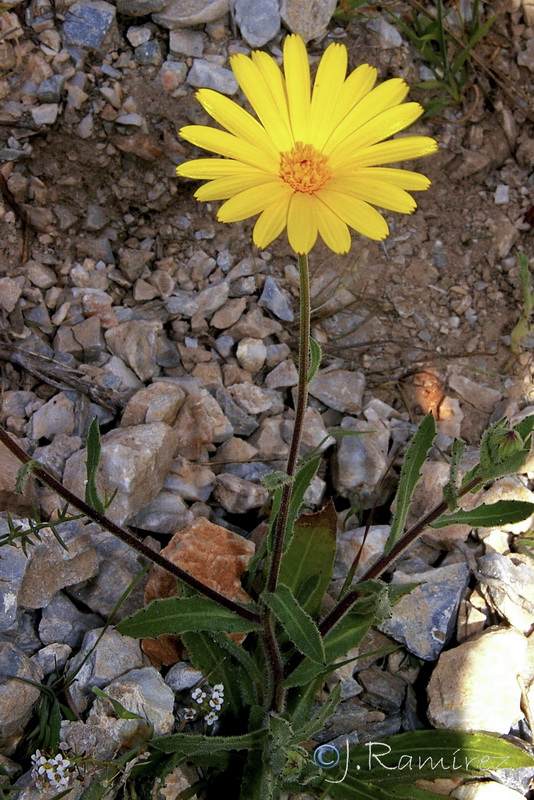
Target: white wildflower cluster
(52, 771)
(205, 703)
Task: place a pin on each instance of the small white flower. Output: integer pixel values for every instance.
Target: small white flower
(211, 718)
(198, 695)
(219, 688)
(216, 704)
(51, 770)
(189, 713)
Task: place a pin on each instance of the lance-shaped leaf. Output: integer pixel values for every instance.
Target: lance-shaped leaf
(299, 626)
(410, 474)
(316, 355)
(182, 614)
(305, 474)
(189, 744)
(310, 556)
(347, 634)
(493, 515)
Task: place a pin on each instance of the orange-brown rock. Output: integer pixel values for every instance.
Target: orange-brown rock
(216, 556)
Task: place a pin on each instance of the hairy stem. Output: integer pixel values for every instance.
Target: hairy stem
(124, 535)
(269, 639)
(300, 411)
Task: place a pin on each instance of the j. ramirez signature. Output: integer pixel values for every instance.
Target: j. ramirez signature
(327, 756)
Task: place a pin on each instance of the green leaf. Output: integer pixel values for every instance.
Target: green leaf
(450, 490)
(311, 554)
(409, 476)
(347, 634)
(181, 614)
(118, 708)
(299, 626)
(493, 515)
(94, 449)
(189, 744)
(305, 474)
(318, 722)
(316, 355)
(24, 473)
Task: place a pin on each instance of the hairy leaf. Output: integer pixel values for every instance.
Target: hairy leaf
(409, 477)
(299, 626)
(492, 515)
(190, 744)
(182, 614)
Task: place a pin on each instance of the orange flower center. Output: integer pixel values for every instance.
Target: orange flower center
(304, 168)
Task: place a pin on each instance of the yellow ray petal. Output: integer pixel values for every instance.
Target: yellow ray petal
(326, 90)
(403, 178)
(226, 144)
(270, 223)
(381, 127)
(235, 119)
(403, 148)
(251, 201)
(297, 74)
(359, 215)
(257, 92)
(223, 188)
(387, 95)
(379, 193)
(302, 222)
(205, 168)
(332, 230)
(357, 85)
(275, 82)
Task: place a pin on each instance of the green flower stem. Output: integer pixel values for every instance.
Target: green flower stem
(302, 401)
(274, 659)
(124, 535)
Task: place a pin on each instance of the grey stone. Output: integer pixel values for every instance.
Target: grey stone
(424, 620)
(229, 313)
(251, 354)
(382, 689)
(52, 658)
(50, 567)
(166, 513)
(17, 698)
(182, 676)
(51, 89)
(141, 691)
(53, 418)
(237, 495)
(12, 567)
(388, 33)
(186, 13)
(134, 119)
(151, 52)
(182, 303)
(134, 461)
(253, 471)
(507, 585)
(361, 460)
(212, 297)
(474, 686)
(339, 389)
(87, 22)
(45, 114)
(118, 567)
(487, 790)
(365, 545)
(258, 22)
(276, 300)
(285, 374)
(308, 18)
(62, 622)
(314, 436)
(207, 74)
(136, 344)
(482, 397)
(136, 35)
(140, 8)
(193, 482)
(108, 658)
(187, 43)
(243, 424)
(250, 398)
(88, 741)
(269, 441)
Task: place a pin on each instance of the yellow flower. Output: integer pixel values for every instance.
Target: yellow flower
(310, 162)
